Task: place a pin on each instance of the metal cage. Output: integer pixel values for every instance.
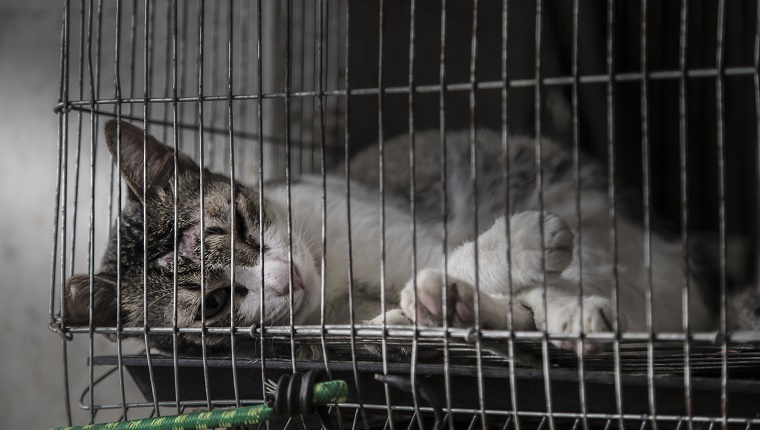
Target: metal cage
(666, 94)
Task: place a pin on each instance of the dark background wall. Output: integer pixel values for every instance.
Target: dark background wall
(662, 32)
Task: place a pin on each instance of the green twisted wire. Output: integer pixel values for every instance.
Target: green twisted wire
(324, 393)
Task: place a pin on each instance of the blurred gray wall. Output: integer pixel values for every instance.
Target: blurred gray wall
(31, 382)
(32, 393)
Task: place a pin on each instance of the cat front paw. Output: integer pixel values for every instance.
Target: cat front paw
(527, 246)
(392, 317)
(564, 317)
(429, 301)
(308, 353)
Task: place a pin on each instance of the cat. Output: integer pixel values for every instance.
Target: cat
(564, 263)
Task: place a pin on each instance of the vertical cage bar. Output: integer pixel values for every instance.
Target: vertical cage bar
(310, 81)
(146, 113)
(611, 193)
(756, 80)
(150, 25)
(170, 66)
(684, 179)
(413, 207)
(346, 143)
(132, 56)
(244, 83)
(214, 66)
(720, 66)
(476, 227)
(119, 210)
(112, 166)
(231, 125)
(381, 177)
(186, 65)
(320, 83)
(540, 189)
(61, 110)
(333, 67)
(201, 209)
(444, 213)
(175, 201)
(288, 71)
(646, 202)
(91, 218)
(299, 47)
(581, 343)
(508, 209)
(260, 127)
(78, 153)
(323, 174)
(60, 206)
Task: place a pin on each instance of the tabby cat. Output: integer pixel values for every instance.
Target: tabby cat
(542, 249)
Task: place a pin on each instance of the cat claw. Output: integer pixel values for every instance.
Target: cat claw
(392, 317)
(308, 353)
(393, 352)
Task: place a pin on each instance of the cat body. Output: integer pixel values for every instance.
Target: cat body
(232, 226)
(567, 269)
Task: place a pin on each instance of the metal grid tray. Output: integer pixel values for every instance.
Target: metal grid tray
(599, 380)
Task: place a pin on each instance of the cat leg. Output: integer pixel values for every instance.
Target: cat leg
(563, 315)
(563, 312)
(494, 274)
(392, 317)
(529, 258)
(527, 275)
(527, 249)
(460, 303)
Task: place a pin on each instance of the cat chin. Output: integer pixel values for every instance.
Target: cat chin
(276, 310)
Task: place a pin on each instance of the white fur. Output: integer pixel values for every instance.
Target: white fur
(561, 260)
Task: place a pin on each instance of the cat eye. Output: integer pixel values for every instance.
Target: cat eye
(240, 229)
(211, 231)
(214, 303)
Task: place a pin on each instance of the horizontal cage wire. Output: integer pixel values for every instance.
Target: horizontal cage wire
(485, 214)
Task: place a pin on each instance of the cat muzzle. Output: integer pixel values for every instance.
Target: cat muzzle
(277, 280)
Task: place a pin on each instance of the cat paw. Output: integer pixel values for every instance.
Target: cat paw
(564, 318)
(429, 300)
(526, 243)
(744, 310)
(308, 353)
(392, 317)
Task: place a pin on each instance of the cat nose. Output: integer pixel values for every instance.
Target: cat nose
(282, 286)
(276, 279)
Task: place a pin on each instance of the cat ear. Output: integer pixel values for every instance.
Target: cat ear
(159, 159)
(78, 300)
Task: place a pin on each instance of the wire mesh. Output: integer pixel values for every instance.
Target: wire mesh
(666, 97)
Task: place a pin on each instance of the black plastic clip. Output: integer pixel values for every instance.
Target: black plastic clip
(295, 396)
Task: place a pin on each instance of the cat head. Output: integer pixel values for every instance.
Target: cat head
(222, 215)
